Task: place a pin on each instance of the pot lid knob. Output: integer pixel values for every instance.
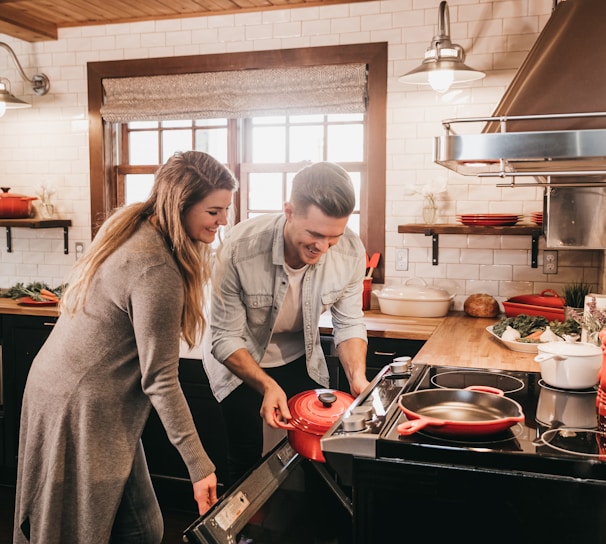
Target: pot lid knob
(327, 399)
(5, 189)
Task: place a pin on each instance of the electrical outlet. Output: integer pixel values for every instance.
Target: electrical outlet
(550, 262)
(79, 249)
(402, 259)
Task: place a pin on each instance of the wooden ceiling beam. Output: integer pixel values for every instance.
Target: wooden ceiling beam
(16, 23)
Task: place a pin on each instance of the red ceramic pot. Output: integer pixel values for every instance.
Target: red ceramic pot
(14, 206)
(313, 413)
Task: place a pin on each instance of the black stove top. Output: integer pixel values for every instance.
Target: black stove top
(557, 437)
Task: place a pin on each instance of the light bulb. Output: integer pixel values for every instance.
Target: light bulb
(441, 80)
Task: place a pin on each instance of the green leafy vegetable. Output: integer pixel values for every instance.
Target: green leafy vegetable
(527, 324)
(32, 290)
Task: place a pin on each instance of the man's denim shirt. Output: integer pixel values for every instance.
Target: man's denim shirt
(252, 284)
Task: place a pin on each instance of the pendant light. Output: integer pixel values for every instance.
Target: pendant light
(39, 82)
(443, 64)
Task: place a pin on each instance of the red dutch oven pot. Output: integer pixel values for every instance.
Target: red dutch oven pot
(313, 413)
(14, 206)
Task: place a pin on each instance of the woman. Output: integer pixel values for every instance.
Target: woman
(113, 354)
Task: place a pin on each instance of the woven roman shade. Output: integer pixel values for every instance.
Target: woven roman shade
(239, 93)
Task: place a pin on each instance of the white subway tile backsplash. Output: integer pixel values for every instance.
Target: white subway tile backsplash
(50, 140)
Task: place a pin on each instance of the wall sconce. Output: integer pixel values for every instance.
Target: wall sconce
(39, 82)
(443, 63)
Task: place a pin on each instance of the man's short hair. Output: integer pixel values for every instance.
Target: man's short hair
(325, 185)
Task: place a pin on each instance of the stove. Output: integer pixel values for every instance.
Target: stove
(546, 474)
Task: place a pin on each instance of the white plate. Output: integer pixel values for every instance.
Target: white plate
(526, 347)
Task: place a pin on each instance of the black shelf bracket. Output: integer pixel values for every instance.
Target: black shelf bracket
(36, 224)
(435, 244)
(534, 250)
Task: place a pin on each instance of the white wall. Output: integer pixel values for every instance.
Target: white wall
(49, 142)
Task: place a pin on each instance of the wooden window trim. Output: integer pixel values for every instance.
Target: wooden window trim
(103, 161)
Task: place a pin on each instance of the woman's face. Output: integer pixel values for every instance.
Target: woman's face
(203, 219)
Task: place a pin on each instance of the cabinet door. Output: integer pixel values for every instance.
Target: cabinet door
(23, 337)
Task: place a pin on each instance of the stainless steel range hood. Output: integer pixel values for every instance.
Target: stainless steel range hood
(551, 121)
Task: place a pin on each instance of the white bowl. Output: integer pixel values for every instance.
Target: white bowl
(569, 365)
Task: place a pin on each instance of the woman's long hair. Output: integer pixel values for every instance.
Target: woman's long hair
(184, 180)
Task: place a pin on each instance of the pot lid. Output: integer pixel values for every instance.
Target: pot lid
(570, 349)
(413, 292)
(5, 194)
(317, 410)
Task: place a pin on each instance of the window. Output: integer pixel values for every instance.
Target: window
(356, 141)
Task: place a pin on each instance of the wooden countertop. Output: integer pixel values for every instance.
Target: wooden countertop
(461, 340)
(391, 326)
(454, 340)
(10, 306)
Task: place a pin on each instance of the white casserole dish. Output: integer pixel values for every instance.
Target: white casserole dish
(414, 300)
(569, 365)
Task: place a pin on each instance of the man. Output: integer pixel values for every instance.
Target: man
(276, 275)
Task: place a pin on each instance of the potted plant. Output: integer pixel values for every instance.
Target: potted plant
(574, 295)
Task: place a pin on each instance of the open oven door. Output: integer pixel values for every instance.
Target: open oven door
(283, 499)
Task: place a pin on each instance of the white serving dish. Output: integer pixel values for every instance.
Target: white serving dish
(525, 347)
(414, 300)
(569, 365)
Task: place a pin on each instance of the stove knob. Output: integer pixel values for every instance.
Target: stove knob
(401, 365)
(354, 423)
(364, 411)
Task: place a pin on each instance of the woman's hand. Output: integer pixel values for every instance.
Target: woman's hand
(205, 492)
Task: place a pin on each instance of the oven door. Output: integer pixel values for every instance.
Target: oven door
(283, 499)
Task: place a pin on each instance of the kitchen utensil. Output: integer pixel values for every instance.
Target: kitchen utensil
(414, 300)
(15, 206)
(569, 365)
(372, 263)
(475, 410)
(313, 413)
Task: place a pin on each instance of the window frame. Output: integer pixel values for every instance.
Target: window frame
(103, 157)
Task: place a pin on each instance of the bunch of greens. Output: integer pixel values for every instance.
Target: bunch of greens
(527, 324)
(32, 290)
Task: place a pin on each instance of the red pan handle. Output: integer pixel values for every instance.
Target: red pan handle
(413, 425)
(487, 389)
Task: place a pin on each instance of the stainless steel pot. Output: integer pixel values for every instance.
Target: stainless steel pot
(470, 411)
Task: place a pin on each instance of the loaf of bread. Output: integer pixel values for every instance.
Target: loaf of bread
(481, 305)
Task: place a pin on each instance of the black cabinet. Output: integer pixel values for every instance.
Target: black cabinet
(22, 337)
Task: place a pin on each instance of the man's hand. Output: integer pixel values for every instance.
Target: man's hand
(205, 493)
(274, 405)
(352, 354)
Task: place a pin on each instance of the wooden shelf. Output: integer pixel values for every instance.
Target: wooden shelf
(35, 223)
(534, 231)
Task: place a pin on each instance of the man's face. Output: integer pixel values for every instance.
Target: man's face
(308, 235)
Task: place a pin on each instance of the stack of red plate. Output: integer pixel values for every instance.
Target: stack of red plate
(537, 217)
(488, 219)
